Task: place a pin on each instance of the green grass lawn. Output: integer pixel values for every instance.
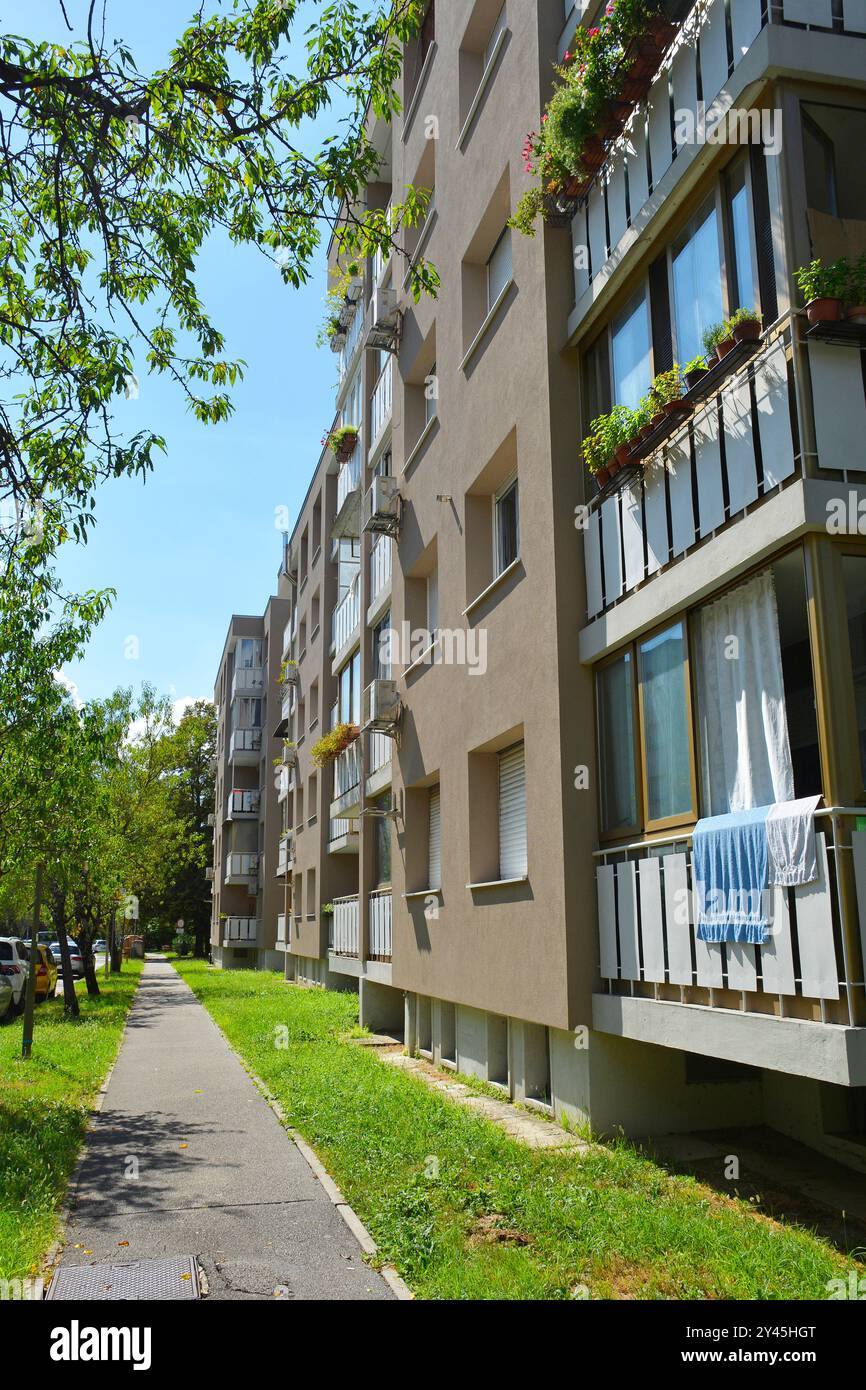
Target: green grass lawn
(465, 1212)
(44, 1107)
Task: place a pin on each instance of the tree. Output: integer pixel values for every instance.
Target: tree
(188, 762)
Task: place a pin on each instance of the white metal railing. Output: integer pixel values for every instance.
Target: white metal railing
(349, 476)
(647, 915)
(347, 770)
(346, 616)
(242, 866)
(381, 402)
(380, 924)
(381, 748)
(381, 559)
(345, 927)
(287, 638)
(244, 803)
(286, 854)
(282, 935)
(245, 741)
(240, 930)
(341, 826)
(353, 337)
(248, 678)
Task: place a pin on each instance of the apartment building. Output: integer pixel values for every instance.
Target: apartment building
(501, 860)
(245, 822)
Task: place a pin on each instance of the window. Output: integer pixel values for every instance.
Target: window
(431, 395)
(663, 672)
(432, 602)
(506, 520)
(512, 813)
(499, 268)
(631, 353)
(615, 702)
(382, 847)
(249, 713)
(854, 576)
(490, 46)
(434, 840)
(742, 292)
(382, 649)
(349, 680)
(696, 281)
(428, 30)
(249, 653)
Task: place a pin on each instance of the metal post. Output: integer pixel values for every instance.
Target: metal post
(30, 986)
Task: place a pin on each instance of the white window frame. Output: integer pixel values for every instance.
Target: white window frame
(492, 298)
(499, 562)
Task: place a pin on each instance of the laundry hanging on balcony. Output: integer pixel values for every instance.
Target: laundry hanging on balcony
(729, 866)
(791, 854)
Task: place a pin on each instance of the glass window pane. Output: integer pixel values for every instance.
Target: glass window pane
(615, 693)
(491, 42)
(743, 290)
(697, 285)
(632, 367)
(854, 572)
(499, 268)
(666, 724)
(356, 688)
(346, 694)
(507, 542)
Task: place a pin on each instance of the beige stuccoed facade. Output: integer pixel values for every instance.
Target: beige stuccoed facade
(460, 864)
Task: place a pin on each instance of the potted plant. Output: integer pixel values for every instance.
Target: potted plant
(593, 453)
(745, 324)
(693, 371)
(823, 287)
(332, 744)
(666, 393)
(712, 338)
(620, 431)
(855, 293)
(342, 442)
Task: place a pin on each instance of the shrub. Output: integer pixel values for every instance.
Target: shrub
(332, 744)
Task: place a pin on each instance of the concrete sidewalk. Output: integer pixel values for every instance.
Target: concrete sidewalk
(187, 1158)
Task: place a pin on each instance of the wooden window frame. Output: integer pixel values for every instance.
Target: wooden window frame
(680, 818)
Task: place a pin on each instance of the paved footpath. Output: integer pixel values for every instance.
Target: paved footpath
(217, 1175)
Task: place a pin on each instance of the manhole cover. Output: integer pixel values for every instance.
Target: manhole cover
(144, 1280)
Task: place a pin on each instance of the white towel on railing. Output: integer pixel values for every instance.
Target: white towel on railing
(791, 855)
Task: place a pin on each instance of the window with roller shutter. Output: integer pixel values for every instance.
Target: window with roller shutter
(434, 848)
(512, 813)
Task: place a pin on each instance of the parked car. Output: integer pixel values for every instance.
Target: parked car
(13, 964)
(46, 973)
(6, 996)
(100, 947)
(74, 958)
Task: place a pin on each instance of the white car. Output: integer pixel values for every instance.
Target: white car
(14, 964)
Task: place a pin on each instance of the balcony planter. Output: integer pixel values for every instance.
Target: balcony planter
(856, 314)
(634, 89)
(824, 310)
(824, 286)
(602, 476)
(674, 408)
(593, 153)
(747, 331)
(334, 743)
(342, 442)
(724, 347)
(694, 376)
(623, 454)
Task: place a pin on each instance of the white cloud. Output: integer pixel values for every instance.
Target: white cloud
(68, 684)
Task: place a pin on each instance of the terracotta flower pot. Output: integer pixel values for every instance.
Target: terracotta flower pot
(747, 332)
(856, 314)
(346, 449)
(646, 432)
(634, 89)
(575, 186)
(676, 408)
(658, 419)
(724, 347)
(602, 476)
(824, 310)
(661, 31)
(623, 455)
(592, 154)
(613, 465)
(692, 378)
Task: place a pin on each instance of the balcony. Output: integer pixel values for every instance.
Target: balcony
(380, 749)
(381, 562)
(248, 680)
(282, 932)
(243, 804)
(347, 781)
(794, 1004)
(346, 617)
(345, 927)
(380, 925)
(286, 855)
(242, 869)
(343, 836)
(347, 523)
(288, 634)
(380, 409)
(240, 931)
(245, 747)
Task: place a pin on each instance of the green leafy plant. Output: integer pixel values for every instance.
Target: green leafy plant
(341, 441)
(332, 744)
(820, 281)
(855, 287)
(666, 387)
(696, 364)
(712, 336)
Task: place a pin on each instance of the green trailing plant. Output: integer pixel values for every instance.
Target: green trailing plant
(341, 441)
(332, 744)
(820, 281)
(712, 336)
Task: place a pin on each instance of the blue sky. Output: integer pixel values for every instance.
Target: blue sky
(198, 541)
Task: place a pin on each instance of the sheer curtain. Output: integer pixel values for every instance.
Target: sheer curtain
(745, 752)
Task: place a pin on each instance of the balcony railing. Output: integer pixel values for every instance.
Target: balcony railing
(346, 616)
(339, 827)
(380, 749)
(347, 770)
(345, 927)
(736, 450)
(282, 933)
(380, 924)
(240, 931)
(245, 741)
(243, 804)
(810, 967)
(349, 476)
(381, 558)
(381, 403)
(247, 678)
(241, 867)
(286, 855)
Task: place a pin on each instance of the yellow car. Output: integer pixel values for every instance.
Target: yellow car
(46, 973)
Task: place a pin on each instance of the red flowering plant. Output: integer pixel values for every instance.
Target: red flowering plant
(568, 147)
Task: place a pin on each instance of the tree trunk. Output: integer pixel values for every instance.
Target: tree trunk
(85, 946)
(58, 916)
